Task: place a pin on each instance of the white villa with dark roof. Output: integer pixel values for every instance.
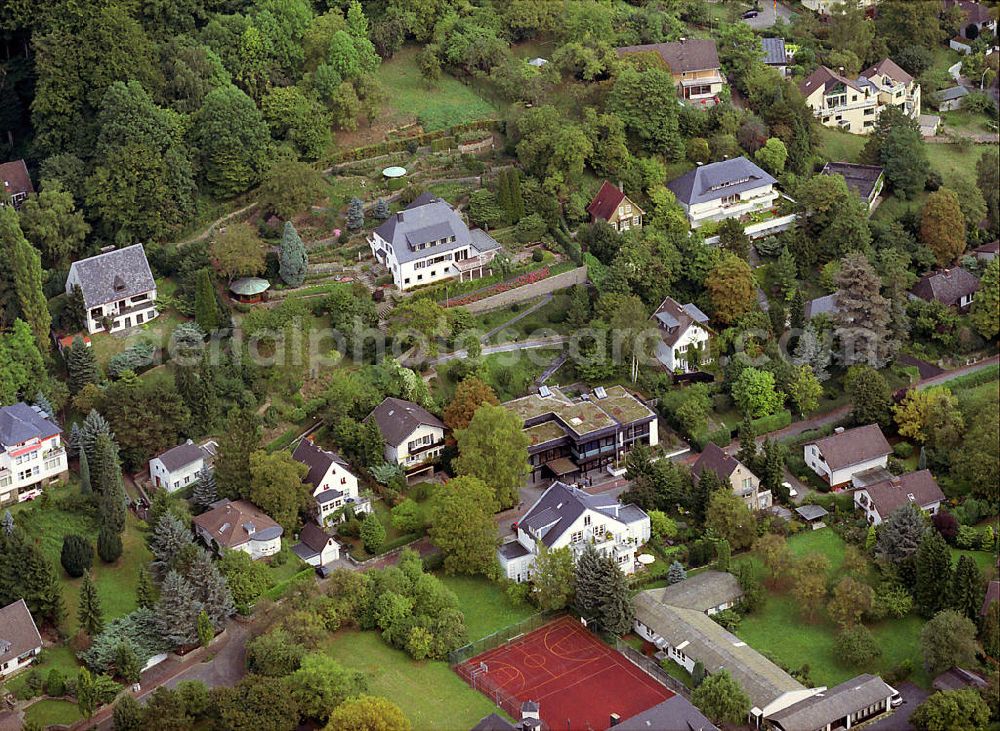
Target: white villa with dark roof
(413, 437)
(854, 105)
(880, 499)
(725, 189)
(31, 453)
(179, 466)
(840, 456)
(238, 525)
(334, 486)
(118, 289)
(683, 330)
(565, 516)
(428, 242)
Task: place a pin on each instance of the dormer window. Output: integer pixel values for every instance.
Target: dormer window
(119, 284)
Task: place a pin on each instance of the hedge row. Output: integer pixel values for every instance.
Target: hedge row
(720, 437)
(977, 378)
(281, 588)
(427, 138)
(766, 424)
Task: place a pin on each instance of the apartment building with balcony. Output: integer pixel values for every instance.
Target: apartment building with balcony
(31, 453)
(118, 289)
(565, 516)
(572, 438)
(724, 189)
(412, 436)
(694, 65)
(854, 105)
(428, 242)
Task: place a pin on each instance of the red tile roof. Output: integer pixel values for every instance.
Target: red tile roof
(14, 177)
(605, 202)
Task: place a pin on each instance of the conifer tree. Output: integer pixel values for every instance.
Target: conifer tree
(145, 594)
(177, 611)
(210, 588)
(232, 465)
(517, 199)
(381, 209)
(748, 444)
(504, 199)
(616, 605)
(293, 261)
(93, 426)
(206, 308)
(89, 613)
(169, 538)
(73, 443)
(723, 554)
(797, 310)
(82, 366)
(128, 714)
(967, 588)
(862, 317)
(205, 629)
(25, 266)
(589, 592)
(205, 492)
(933, 574)
(26, 573)
(811, 351)
(109, 544)
(75, 314)
(355, 214)
(676, 573)
(85, 486)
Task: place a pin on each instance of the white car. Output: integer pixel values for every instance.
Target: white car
(792, 492)
(895, 700)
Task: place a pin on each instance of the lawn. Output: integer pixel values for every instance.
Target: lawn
(485, 606)
(955, 161)
(426, 691)
(50, 712)
(840, 146)
(960, 120)
(779, 631)
(57, 656)
(437, 105)
(115, 582)
(985, 560)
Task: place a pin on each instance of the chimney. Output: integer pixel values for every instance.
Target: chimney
(399, 216)
(896, 481)
(614, 720)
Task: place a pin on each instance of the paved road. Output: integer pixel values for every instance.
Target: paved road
(767, 15)
(899, 720)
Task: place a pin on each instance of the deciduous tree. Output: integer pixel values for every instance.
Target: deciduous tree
(233, 141)
(730, 288)
(494, 448)
(368, 713)
(238, 251)
(851, 599)
(554, 579)
(754, 392)
(729, 518)
(51, 223)
(276, 486)
(948, 640)
(942, 226)
(985, 313)
(722, 699)
(462, 525)
(952, 710)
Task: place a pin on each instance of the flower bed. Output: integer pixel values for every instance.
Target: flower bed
(531, 277)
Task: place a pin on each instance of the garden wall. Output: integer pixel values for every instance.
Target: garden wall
(530, 291)
(764, 228)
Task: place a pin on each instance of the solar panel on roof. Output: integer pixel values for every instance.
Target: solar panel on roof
(600, 392)
(667, 319)
(544, 391)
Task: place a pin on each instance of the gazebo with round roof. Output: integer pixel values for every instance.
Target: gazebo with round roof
(249, 290)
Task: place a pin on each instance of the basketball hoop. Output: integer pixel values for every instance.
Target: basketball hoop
(583, 621)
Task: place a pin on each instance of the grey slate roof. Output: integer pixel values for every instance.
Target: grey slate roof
(513, 549)
(827, 304)
(181, 456)
(947, 95)
(20, 422)
(312, 541)
(831, 705)
(317, 459)
(811, 512)
(947, 286)
(18, 633)
(114, 275)
(692, 54)
(717, 179)
(328, 495)
(862, 179)
(677, 318)
(674, 714)
(430, 219)
(703, 591)
(560, 505)
(774, 51)
(494, 722)
(853, 446)
(397, 419)
(701, 638)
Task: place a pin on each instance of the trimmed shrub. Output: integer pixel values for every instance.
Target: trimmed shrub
(77, 555)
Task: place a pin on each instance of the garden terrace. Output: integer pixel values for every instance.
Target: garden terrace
(582, 417)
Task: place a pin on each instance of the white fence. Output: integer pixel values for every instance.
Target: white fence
(764, 228)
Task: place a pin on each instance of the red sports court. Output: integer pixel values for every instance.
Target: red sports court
(577, 681)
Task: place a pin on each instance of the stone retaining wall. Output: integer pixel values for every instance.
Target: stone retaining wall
(529, 291)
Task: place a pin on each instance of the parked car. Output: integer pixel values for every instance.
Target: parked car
(792, 492)
(896, 699)
(750, 14)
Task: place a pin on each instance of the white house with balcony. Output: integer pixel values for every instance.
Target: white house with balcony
(20, 642)
(31, 453)
(725, 189)
(238, 525)
(118, 289)
(881, 499)
(565, 516)
(331, 482)
(684, 336)
(846, 453)
(428, 242)
(412, 436)
(854, 105)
